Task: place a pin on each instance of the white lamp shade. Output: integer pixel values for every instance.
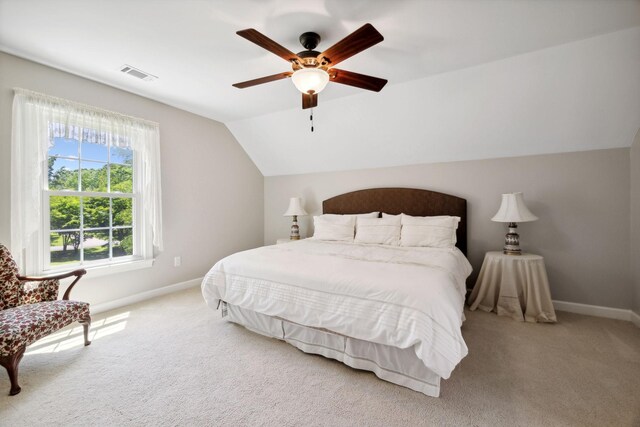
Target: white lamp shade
(513, 209)
(295, 207)
(310, 79)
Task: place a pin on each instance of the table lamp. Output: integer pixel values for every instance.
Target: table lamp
(513, 210)
(295, 209)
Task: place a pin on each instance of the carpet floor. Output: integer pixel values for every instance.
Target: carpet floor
(173, 361)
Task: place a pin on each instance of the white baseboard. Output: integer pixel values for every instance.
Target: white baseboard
(596, 310)
(635, 318)
(132, 299)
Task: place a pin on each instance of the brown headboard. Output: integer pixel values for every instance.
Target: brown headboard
(411, 201)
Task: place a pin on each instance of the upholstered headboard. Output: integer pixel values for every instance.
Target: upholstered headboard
(411, 201)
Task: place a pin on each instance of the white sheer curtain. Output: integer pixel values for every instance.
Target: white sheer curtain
(37, 118)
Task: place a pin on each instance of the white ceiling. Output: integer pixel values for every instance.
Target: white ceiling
(192, 47)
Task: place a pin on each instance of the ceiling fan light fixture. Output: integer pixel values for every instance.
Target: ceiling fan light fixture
(312, 70)
(310, 79)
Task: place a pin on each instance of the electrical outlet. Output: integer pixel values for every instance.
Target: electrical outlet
(177, 261)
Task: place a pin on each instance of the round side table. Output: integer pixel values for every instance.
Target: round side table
(514, 285)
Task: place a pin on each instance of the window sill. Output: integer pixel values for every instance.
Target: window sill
(108, 269)
(104, 270)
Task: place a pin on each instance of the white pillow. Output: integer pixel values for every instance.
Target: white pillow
(382, 231)
(430, 231)
(369, 215)
(365, 215)
(356, 216)
(334, 227)
(386, 215)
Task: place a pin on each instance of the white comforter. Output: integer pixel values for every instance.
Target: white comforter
(397, 296)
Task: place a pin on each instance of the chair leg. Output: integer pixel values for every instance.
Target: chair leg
(11, 365)
(85, 325)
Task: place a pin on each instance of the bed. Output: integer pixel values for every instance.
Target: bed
(392, 310)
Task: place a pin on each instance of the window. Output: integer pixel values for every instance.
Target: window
(90, 200)
(87, 187)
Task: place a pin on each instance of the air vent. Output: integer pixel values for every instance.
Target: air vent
(139, 74)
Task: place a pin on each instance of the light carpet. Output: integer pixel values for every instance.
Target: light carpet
(174, 361)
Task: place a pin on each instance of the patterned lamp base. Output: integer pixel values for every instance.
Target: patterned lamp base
(512, 241)
(295, 230)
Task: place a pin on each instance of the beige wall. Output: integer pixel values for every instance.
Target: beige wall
(635, 220)
(212, 192)
(582, 200)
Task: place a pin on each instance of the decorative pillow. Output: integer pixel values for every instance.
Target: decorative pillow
(430, 231)
(382, 231)
(334, 227)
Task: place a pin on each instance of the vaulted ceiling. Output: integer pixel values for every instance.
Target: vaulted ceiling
(467, 79)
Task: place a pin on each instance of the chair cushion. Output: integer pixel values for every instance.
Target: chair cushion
(26, 324)
(9, 283)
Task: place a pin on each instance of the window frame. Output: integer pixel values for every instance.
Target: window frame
(142, 256)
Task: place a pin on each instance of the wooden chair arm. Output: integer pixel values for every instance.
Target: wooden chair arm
(78, 273)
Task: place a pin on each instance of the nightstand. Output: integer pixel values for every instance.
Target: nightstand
(514, 285)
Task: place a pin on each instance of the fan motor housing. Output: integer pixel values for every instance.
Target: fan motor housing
(309, 40)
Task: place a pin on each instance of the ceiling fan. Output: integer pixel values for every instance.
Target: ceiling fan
(312, 70)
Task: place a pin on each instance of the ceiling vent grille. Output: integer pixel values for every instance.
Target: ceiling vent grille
(139, 74)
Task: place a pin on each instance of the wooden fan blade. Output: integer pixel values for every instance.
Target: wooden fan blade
(268, 44)
(262, 80)
(309, 100)
(358, 80)
(361, 39)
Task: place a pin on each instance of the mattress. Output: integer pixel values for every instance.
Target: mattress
(407, 298)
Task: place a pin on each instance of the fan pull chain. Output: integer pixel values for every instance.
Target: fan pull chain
(311, 118)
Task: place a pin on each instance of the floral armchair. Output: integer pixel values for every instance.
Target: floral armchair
(30, 310)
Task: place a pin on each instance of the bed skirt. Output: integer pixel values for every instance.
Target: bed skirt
(398, 366)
